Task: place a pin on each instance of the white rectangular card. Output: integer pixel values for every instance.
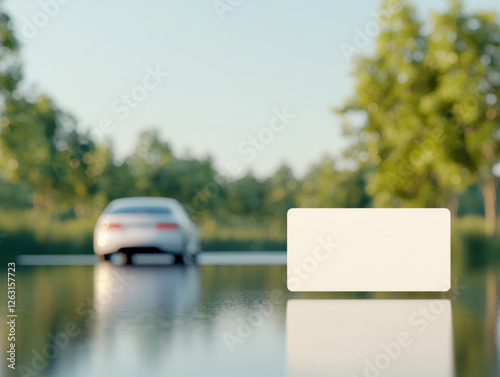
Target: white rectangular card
(373, 249)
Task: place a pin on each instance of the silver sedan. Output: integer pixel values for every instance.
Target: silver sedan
(146, 224)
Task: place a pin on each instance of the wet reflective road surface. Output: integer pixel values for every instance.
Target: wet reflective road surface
(239, 319)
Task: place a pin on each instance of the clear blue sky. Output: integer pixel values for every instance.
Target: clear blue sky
(225, 76)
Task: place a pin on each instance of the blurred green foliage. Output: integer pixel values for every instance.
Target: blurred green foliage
(430, 99)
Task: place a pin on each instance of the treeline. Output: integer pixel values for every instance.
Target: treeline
(81, 181)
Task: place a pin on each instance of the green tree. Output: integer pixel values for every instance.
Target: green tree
(246, 197)
(465, 56)
(82, 168)
(112, 179)
(32, 132)
(10, 67)
(42, 150)
(326, 186)
(281, 192)
(28, 146)
(151, 153)
(395, 142)
(430, 109)
(10, 75)
(282, 187)
(185, 180)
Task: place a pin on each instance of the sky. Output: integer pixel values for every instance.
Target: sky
(250, 83)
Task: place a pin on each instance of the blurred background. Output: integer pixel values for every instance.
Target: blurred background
(324, 105)
(242, 110)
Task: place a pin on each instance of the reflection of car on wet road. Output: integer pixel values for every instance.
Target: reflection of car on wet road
(172, 291)
(146, 224)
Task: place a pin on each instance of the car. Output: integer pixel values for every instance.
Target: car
(146, 224)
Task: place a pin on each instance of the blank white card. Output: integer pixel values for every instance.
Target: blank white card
(375, 249)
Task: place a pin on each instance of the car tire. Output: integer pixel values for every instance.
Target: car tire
(128, 258)
(105, 257)
(178, 259)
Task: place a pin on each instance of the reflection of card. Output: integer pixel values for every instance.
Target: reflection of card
(355, 338)
(340, 249)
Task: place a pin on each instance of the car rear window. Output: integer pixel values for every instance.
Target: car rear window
(142, 209)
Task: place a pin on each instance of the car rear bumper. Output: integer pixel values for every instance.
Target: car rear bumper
(106, 242)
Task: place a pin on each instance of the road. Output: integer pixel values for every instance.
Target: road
(236, 317)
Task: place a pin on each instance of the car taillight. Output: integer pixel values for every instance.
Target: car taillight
(105, 225)
(166, 226)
